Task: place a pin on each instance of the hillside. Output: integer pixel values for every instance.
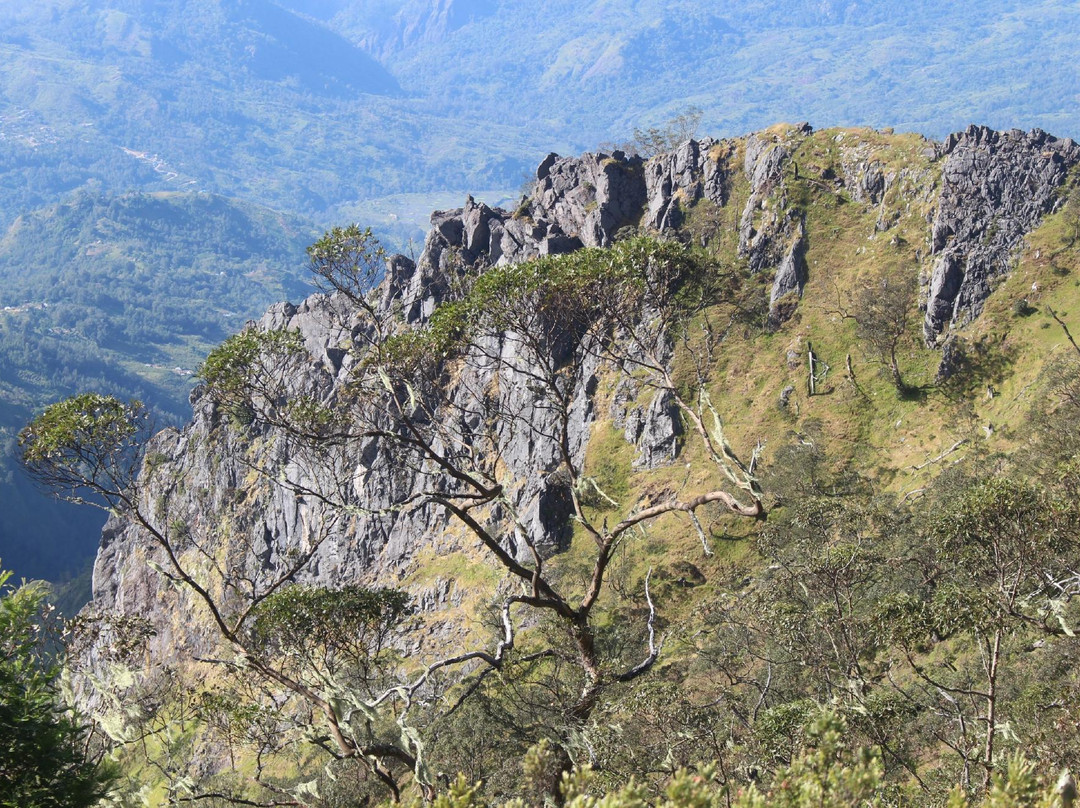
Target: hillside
(124, 294)
(378, 112)
(243, 99)
(321, 108)
(517, 432)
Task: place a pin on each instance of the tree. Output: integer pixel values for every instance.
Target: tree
(89, 449)
(1002, 550)
(656, 140)
(44, 755)
(521, 342)
(882, 312)
(456, 406)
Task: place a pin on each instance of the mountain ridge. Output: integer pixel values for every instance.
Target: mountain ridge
(584, 202)
(701, 474)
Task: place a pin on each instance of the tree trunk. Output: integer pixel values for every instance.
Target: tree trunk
(991, 703)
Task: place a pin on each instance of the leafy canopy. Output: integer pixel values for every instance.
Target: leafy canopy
(568, 292)
(43, 759)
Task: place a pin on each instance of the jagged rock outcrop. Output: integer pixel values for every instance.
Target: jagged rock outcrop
(771, 233)
(655, 430)
(995, 188)
(591, 197)
(673, 182)
(790, 279)
(218, 479)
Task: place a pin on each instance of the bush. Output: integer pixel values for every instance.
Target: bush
(43, 760)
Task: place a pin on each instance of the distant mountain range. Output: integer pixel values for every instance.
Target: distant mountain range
(319, 106)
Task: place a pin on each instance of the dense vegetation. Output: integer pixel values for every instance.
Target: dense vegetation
(44, 759)
(320, 107)
(123, 294)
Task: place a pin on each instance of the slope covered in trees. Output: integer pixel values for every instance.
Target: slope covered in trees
(319, 107)
(123, 294)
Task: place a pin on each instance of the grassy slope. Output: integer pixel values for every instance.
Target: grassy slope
(894, 441)
(898, 443)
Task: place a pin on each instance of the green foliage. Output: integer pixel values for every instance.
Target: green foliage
(250, 374)
(62, 434)
(1018, 786)
(349, 260)
(542, 769)
(43, 751)
(828, 772)
(300, 618)
(562, 296)
(243, 365)
(1002, 523)
(87, 448)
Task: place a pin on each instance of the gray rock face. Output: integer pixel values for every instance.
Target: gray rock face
(790, 279)
(215, 485)
(864, 176)
(655, 430)
(592, 196)
(697, 170)
(576, 202)
(995, 188)
(764, 215)
(771, 233)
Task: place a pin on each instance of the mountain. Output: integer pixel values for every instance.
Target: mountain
(236, 97)
(322, 107)
(378, 112)
(809, 444)
(563, 67)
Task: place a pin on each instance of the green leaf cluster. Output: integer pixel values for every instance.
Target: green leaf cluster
(299, 617)
(43, 760)
(564, 294)
(91, 419)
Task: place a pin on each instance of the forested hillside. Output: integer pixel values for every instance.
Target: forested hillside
(124, 294)
(318, 108)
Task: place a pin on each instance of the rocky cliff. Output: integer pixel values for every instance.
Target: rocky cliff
(954, 212)
(995, 187)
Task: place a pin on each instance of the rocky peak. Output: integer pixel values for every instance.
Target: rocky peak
(995, 188)
(592, 196)
(771, 233)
